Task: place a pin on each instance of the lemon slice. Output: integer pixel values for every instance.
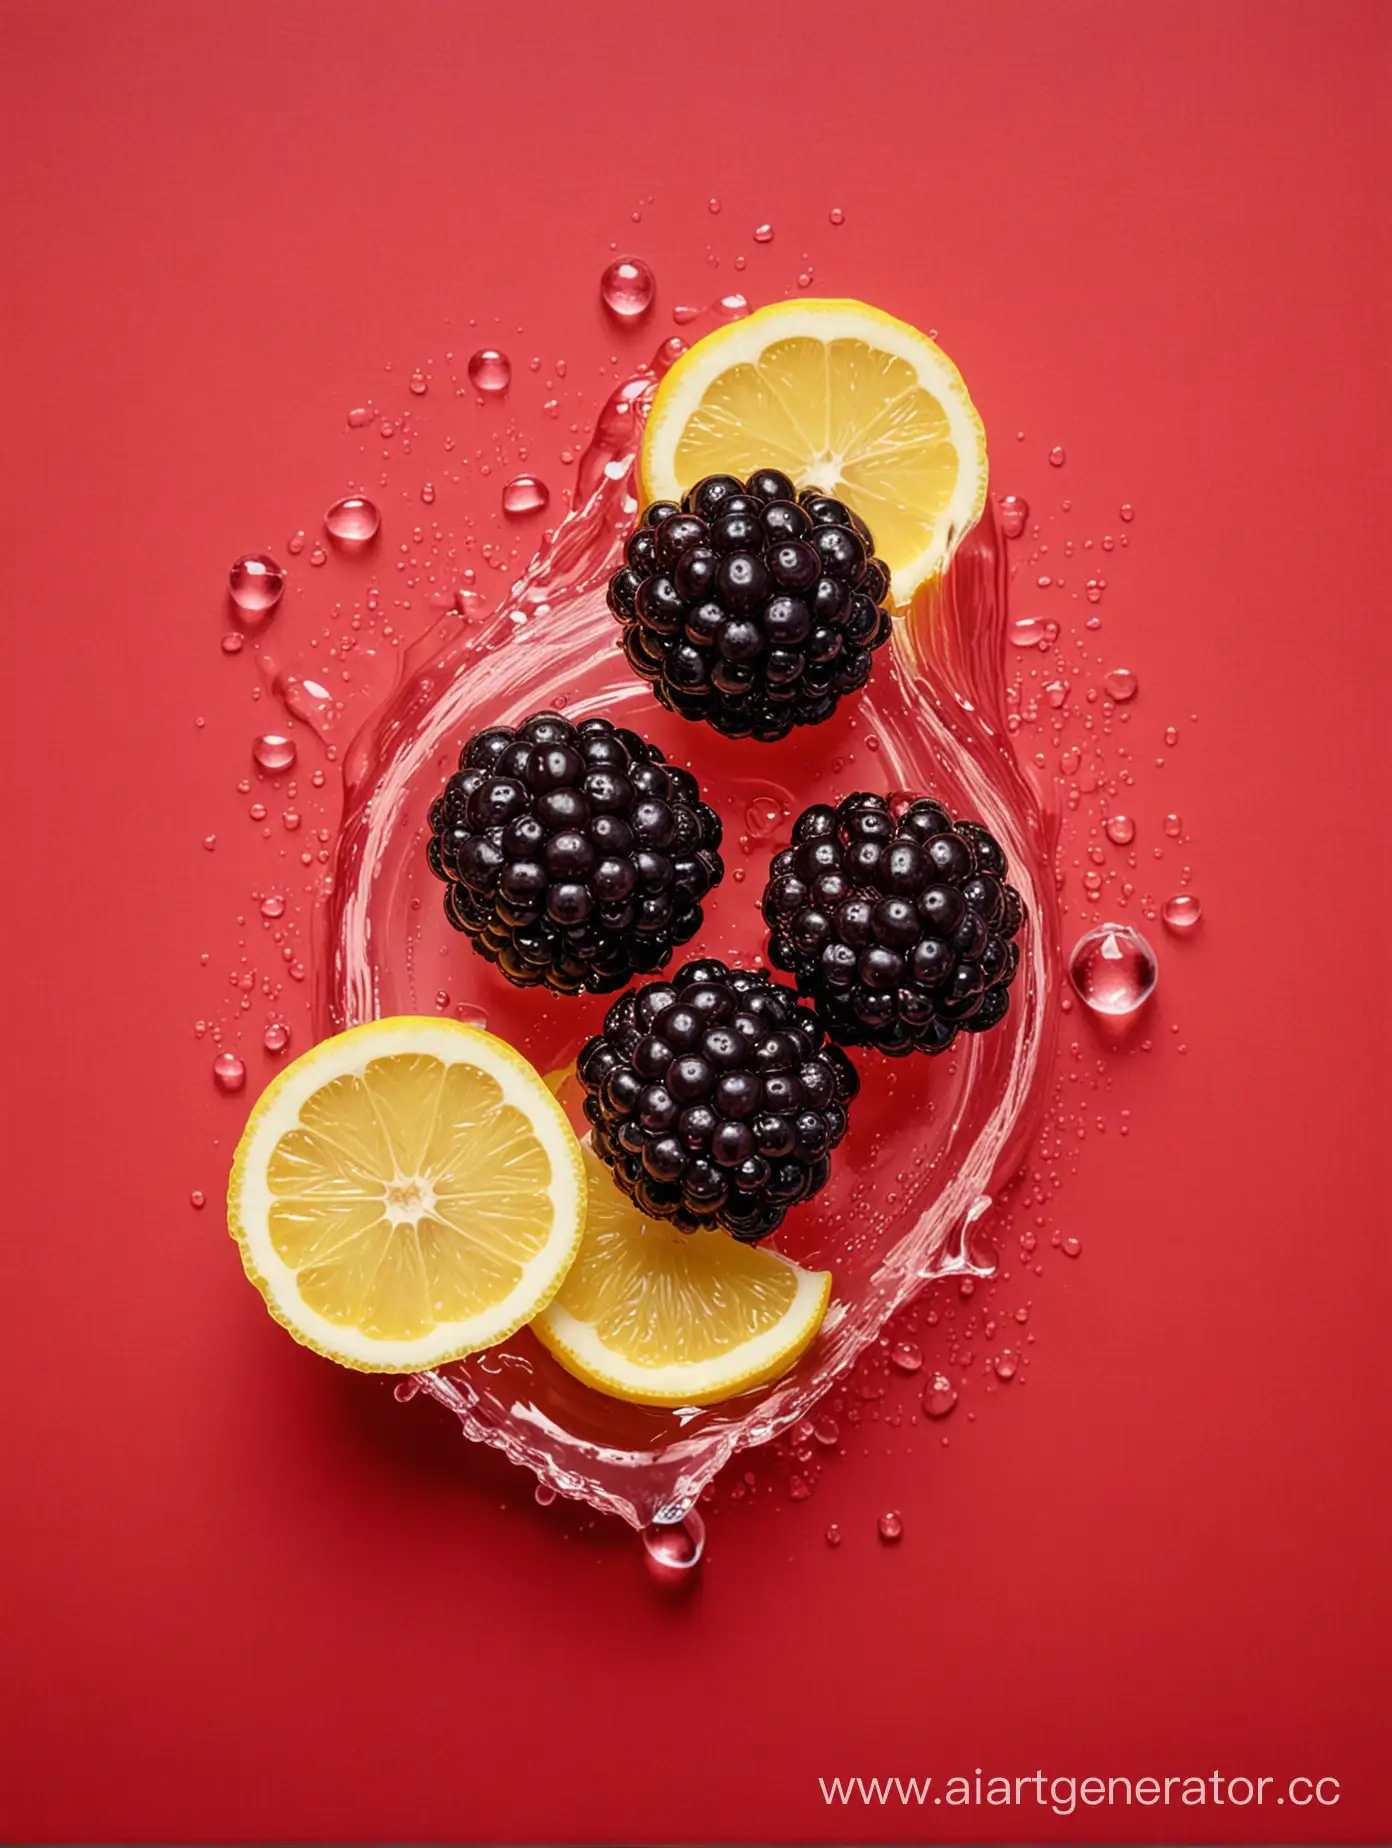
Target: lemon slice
(405, 1193)
(841, 397)
(663, 1317)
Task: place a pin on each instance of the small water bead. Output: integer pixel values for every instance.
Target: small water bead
(836, 215)
(198, 1199)
(490, 372)
(626, 289)
(1120, 829)
(940, 1398)
(1127, 511)
(762, 816)
(295, 544)
(684, 314)
(274, 752)
(273, 905)
(1113, 969)
(1121, 684)
(833, 1535)
(1057, 457)
(1181, 913)
(799, 1488)
(1171, 735)
(763, 234)
(1027, 632)
(713, 207)
(891, 1527)
(276, 1037)
(255, 583)
(673, 1548)
(360, 416)
(233, 642)
(826, 1430)
(1004, 1366)
(734, 307)
(906, 1356)
(318, 557)
(352, 521)
(209, 843)
(1174, 826)
(1071, 1247)
(523, 495)
(418, 384)
(1014, 515)
(229, 1074)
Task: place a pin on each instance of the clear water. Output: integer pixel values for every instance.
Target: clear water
(930, 1139)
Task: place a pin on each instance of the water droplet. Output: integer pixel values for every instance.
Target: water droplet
(1181, 913)
(1057, 457)
(490, 372)
(273, 905)
(360, 416)
(833, 1535)
(352, 521)
(524, 494)
(209, 842)
(233, 642)
(274, 752)
(1174, 826)
(826, 1430)
(762, 816)
(229, 1074)
(836, 215)
(543, 1495)
(1121, 829)
(674, 1547)
(276, 1037)
(198, 1199)
(1028, 631)
(1004, 1366)
(891, 1526)
(713, 207)
(763, 234)
(1071, 1247)
(734, 307)
(626, 289)
(1171, 735)
(906, 1356)
(940, 1398)
(1121, 684)
(1113, 968)
(254, 584)
(1128, 512)
(418, 383)
(799, 1488)
(684, 314)
(1014, 515)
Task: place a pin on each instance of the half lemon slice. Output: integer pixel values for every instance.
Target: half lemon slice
(841, 397)
(406, 1193)
(663, 1317)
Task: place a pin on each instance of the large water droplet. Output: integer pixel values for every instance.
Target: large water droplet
(627, 288)
(674, 1547)
(353, 521)
(906, 1356)
(1181, 913)
(524, 494)
(274, 752)
(1027, 632)
(229, 1074)
(490, 372)
(762, 816)
(1014, 515)
(1121, 684)
(763, 234)
(1113, 968)
(1120, 829)
(1057, 456)
(940, 1398)
(254, 584)
(276, 1037)
(891, 1526)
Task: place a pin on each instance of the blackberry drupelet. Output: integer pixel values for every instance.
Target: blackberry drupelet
(575, 855)
(751, 606)
(899, 932)
(716, 1098)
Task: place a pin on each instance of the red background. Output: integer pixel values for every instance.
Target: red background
(245, 1596)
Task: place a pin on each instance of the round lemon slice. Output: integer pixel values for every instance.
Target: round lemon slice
(406, 1193)
(663, 1317)
(841, 397)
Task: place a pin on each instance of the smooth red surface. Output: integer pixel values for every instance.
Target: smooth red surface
(245, 1596)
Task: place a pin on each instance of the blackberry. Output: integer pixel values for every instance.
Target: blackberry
(900, 932)
(716, 1098)
(574, 855)
(751, 606)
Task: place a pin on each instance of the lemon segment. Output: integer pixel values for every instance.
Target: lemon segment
(406, 1193)
(663, 1317)
(841, 397)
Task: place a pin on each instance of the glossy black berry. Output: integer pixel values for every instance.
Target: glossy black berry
(919, 943)
(716, 1099)
(752, 606)
(573, 855)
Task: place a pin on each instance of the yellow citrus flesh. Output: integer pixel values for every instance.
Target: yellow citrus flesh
(406, 1193)
(841, 397)
(663, 1317)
